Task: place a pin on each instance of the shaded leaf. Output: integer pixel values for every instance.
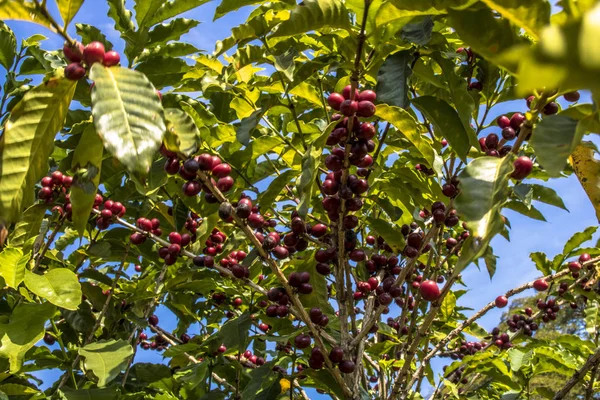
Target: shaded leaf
(106, 358)
(392, 79)
(29, 225)
(531, 16)
(554, 139)
(182, 134)
(8, 46)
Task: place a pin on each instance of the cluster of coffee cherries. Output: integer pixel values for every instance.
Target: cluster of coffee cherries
(158, 342)
(501, 340)
(575, 266)
(188, 170)
(54, 185)
(549, 308)
(110, 210)
(178, 241)
(281, 300)
(82, 56)
(466, 349)
(253, 358)
(524, 321)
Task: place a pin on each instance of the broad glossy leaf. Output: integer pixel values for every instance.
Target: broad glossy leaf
(554, 139)
(173, 30)
(226, 6)
(22, 331)
(531, 16)
(539, 193)
(182, 134)
(392, 79)
(431, 7)
(27, 143)
(541, 262)
(247, 125)
(90, 394)
(12, 266)
(234, 333)
(172, 8)
(163, 71)
(267, 197)
(447, 307)
(68, 9)
(418, 32)
(592, 318)
(23, 10)
(312, 15)
(87, 164)
(128, 115)
(106, 358)
(446, 123)
(578, 239)
(123, 17)
(59, 286)
(8, 46)
(407, 126)
(521, 208)
(388, 231)
(587, 169)
(29, 225)
(489, 36)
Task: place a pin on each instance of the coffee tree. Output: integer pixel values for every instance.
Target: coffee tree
(303, 201)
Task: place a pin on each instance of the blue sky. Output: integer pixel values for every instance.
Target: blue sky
(514, 265)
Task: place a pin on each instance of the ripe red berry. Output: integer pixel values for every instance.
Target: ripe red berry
(367, 95)
(138, 268)
(349, 107)
(73, 54)
(365, 109)
(449, 190)
(540, 285)
(336, 355)
(508, 133)
(347, 366)
(523, 167)
(517, 120)
(335, 100)
(572, 96)
(137, 238)
(585, 257)
(347, 90)
(111, 58)
(501, 301)
(429, 290)
(222, 349)
(93, 53)
(225, 184)
(574, 266)
(74, 71)
(503, 121)
(221, 170)
(153, 320)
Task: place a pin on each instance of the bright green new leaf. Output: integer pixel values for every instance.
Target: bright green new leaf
(314, 14)
(392, 79)
(68, 9)
(446, 123)
(106, 358)
(8, 46)
(60, 286)
(28, 226)
(173, 30)
(447, 307)
(531, 15)
(554, 138)
(23, 11)
(407, 126)
(182, 134)
(578, 239)
(27, 143)
(12, 266)
(170, 9)
(128, 115)
(23, 330)
(87, 164)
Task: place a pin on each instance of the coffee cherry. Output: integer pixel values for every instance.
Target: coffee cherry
(347, 90)
(334, 163)
(517, 120)
(476, 85)
(429, 290)
(319, 230)
(225, 184)
(501, 301)
(335, 100)
(280, 252)
(508, 133)
(347, 366)
(449, 190)
(359, 186)
(585, 257)
(302, 341)
(74, 71)
(491, 141)
(93, 53)
(323, 269)
(111, 58)
(221, 170)
(503, 121)
(366, 131)
(574, 266)
(550, 108)
(74, 55)
(137, 238)
(365, 109)
(191, 189)
(572, 97)
(523, 167)
(540, 285)
(349, 107)
(336, 354)
(153, 320)
(222, 349)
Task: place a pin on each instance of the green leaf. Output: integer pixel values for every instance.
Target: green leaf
(446, 123)
(484, 189)
(68, 9)
(247, 125)
(106, 358)
(27, 143)
(407, 126)
(554, 138)
(284, 63)
(418, 32)
(90, 394)
(430, 7)
(392, 79)
(90, 34)
(29, 225)
(60, 286)
(87, 163)
(310, 170)
(227, 6)
(587, 169)
(182, 134)
(163, 71)
(521, 208)
(267, 198)
(121, 15)
(128, 115)
(540, 193)
(592, 318)
(541, 262)
(23, 330)
(173, 30)
(23, 11)
(8, 46)
(531, 16)
(578, 239)
(388, 231)
(234, 333)
(312, 15)
(487, 35)
(172, 8)
(447, 307)
(13, 389)
(12, 266)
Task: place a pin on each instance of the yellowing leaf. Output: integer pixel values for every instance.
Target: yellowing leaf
(587, 169)
(22, 11)
(285, 385)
